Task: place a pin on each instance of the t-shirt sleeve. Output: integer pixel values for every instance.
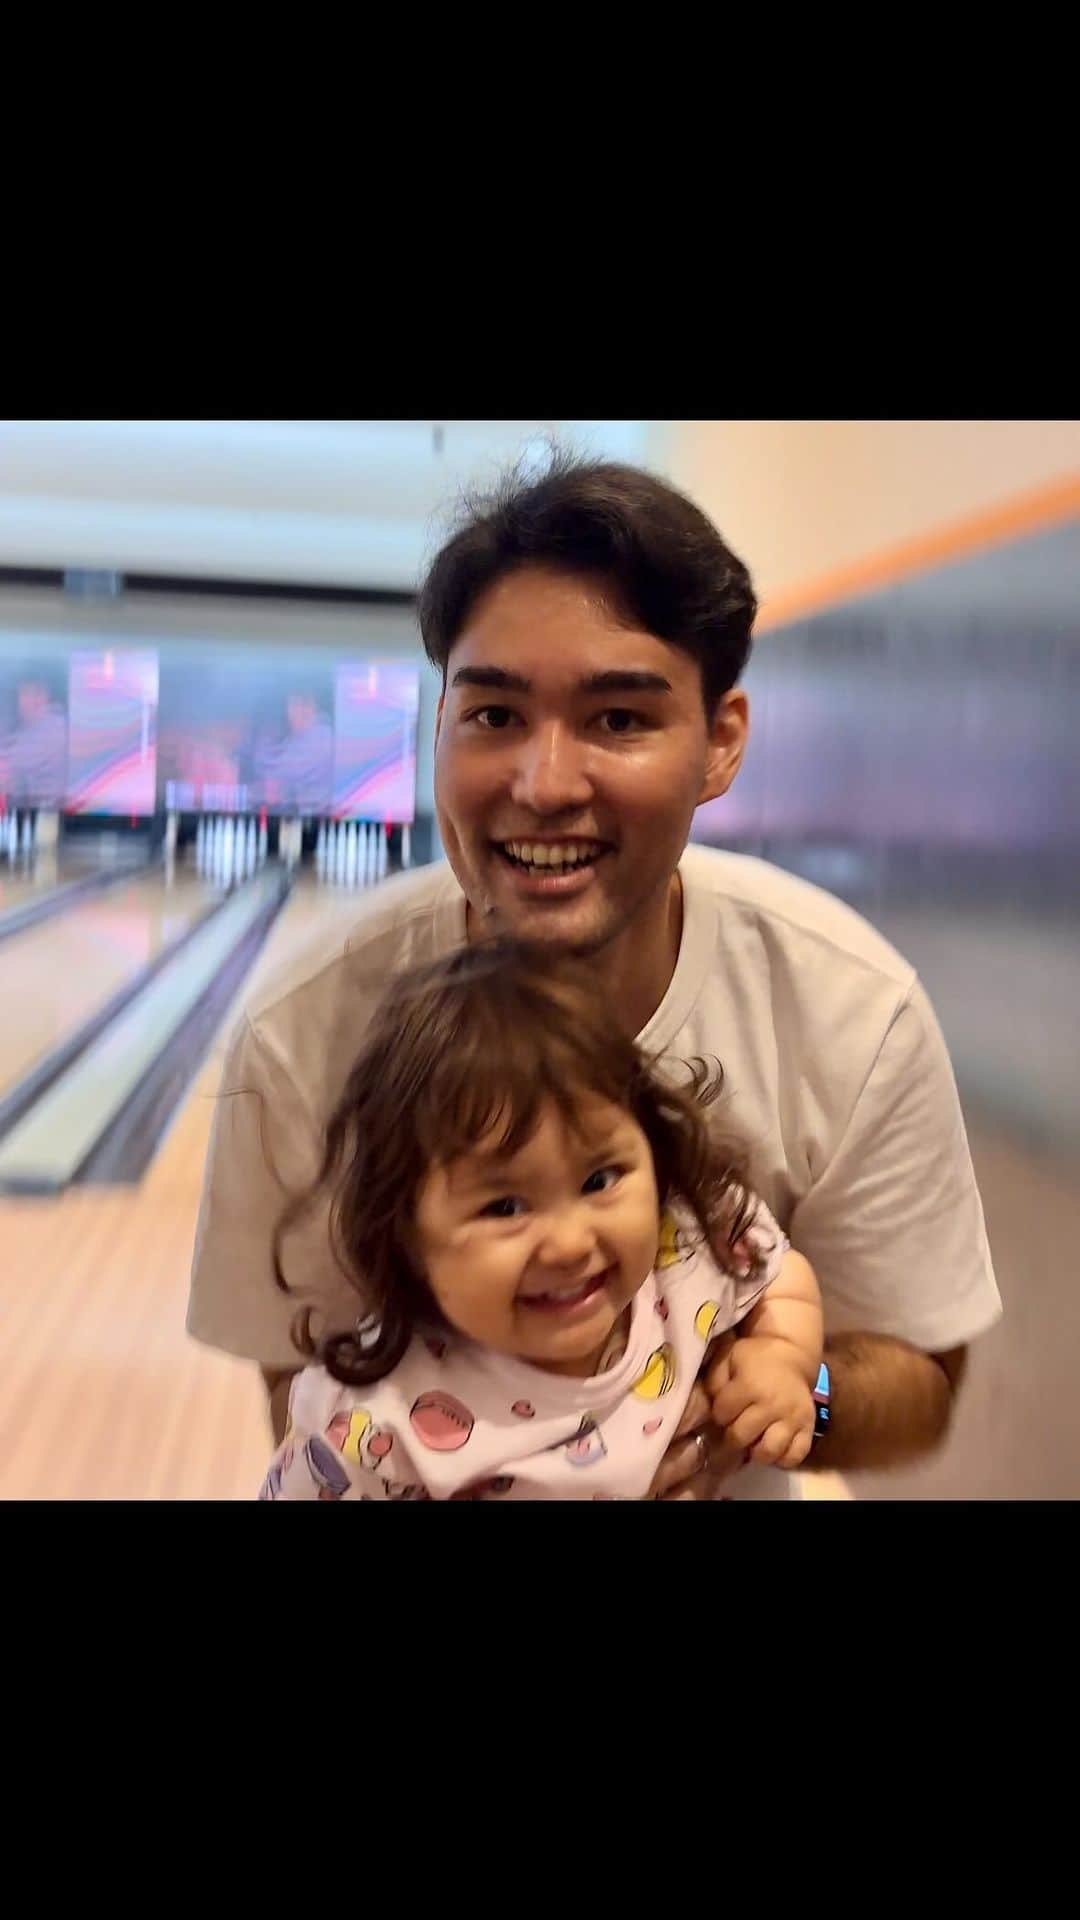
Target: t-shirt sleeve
(894, 1226)
(335, 1448)
(756, 1258)
(319, 1458)
(264, 1147)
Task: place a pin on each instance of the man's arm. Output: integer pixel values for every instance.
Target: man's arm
(264, 1148)
(896, 1405)
(893, 1227)
(890, 1403)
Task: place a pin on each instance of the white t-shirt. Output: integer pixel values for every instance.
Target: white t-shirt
(455, 1420)
(837, 1083)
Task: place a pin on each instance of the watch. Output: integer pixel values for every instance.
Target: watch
(822, 1398)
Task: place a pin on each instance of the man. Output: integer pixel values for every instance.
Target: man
(591, 627)
(298, 769)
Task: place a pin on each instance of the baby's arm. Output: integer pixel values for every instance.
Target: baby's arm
(790, 1311)
(763, 1396)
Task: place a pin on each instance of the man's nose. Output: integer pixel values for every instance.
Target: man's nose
(550, 772)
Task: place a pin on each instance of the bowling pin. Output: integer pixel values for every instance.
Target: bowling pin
(342, 853)
(372, 865)
(352, 863)
(27, 837)
(384, 853)
(406, 845)
(263, 837)
(320, 849)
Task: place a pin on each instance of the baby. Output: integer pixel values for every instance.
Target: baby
(547, 1236)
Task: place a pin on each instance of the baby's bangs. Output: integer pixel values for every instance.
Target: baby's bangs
(498, 1098)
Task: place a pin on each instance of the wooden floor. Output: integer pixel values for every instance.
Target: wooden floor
(104, 1396)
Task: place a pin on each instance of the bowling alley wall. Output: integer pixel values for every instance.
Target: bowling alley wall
(147, 703)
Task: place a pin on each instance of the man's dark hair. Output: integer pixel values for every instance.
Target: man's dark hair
(661, 558)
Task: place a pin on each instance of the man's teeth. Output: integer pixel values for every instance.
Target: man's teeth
(536, 853)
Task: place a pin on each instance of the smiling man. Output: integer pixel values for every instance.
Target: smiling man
(591, 627)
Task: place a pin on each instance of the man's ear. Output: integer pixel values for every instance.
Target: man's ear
(729, 730)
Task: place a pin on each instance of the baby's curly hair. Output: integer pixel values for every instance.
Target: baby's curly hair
(472, 1046)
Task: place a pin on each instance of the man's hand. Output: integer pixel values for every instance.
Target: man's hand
(761, 1399)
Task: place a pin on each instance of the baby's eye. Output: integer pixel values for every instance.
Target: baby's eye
(505, 1208)
(602, 1179)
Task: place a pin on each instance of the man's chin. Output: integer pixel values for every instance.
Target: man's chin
(569, 926)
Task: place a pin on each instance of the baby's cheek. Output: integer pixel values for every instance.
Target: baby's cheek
(474, 1293)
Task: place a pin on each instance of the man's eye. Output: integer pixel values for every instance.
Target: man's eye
(620, 720)
(494, 718)
(505, 1208)
(602, 1180)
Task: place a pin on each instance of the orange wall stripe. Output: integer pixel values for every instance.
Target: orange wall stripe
(993, 526)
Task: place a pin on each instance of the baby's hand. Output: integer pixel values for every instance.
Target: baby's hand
(761, 1398)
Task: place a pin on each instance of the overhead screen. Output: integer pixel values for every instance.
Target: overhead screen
(129, 731)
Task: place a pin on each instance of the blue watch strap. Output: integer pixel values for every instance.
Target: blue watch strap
(822, 1399)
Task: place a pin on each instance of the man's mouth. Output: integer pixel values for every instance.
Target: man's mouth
(552, 856)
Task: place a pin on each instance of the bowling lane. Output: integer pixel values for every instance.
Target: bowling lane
(20, 885)
(53, 976)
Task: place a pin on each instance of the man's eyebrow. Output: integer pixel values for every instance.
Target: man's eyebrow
(625, 680)
(612, 680)
(491, 677)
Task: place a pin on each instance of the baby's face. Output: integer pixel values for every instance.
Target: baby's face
(537, 1253)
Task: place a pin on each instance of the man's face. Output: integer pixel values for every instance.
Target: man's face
(571, 751)
(301, 713)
